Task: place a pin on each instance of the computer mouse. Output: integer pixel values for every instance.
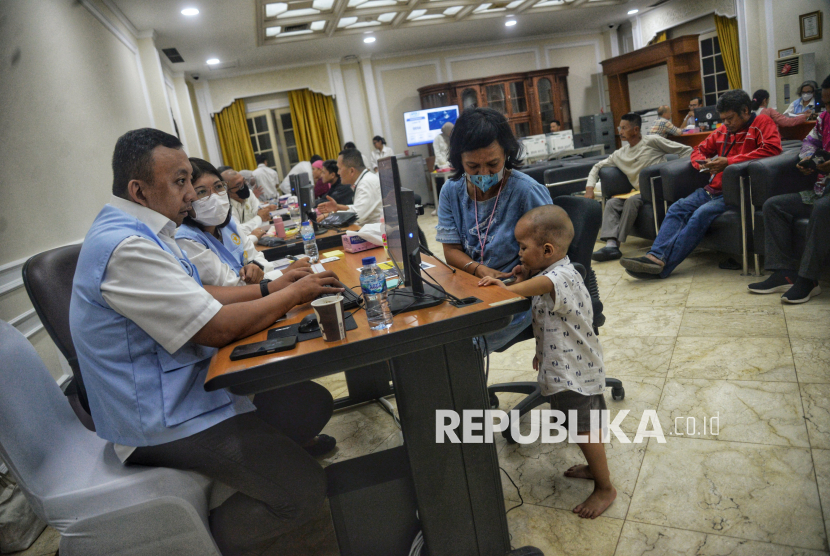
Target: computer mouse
(309, 324)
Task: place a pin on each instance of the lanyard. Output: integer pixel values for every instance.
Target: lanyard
(482, 244)
(360, 177)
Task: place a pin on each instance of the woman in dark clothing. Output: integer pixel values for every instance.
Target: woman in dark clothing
(343, 194)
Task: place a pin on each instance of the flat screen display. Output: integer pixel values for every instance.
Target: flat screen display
(422, 126)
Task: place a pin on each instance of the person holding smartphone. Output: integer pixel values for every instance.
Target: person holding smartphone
(797, 278)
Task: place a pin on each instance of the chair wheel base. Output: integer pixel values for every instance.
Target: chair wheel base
(526, 551)
(494, 401)
(618, 393)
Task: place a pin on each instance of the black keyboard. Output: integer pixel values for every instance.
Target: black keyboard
(350, 299)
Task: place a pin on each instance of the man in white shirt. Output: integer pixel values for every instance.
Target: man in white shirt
(367, 204)
(380, 151)
(694, 104)
(441, 146)
(145, 330)
(640, 152)
(267, 178)
(246, 209)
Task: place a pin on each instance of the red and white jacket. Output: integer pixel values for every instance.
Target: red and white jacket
(759, 139)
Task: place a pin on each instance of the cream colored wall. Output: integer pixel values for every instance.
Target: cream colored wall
(400, 95)
(187, 125)
(71, 90)
(787, 31)
(649, 88)
(697, 26)
(154, 77)
(494, 64)
(224, 91)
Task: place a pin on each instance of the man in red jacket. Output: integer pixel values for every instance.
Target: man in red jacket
(743, 136)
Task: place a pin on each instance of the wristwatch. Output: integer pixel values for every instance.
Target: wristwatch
(263, 287)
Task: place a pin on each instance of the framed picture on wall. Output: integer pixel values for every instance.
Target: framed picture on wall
(786, 52)
(810, 25)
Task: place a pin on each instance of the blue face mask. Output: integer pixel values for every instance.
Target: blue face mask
(486, 181)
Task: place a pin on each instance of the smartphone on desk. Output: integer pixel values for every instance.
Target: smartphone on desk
(263, 348)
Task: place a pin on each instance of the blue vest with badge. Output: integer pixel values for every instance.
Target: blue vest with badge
(231, 250)
(139, 394)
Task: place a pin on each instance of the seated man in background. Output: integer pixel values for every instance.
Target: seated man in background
(798, 279)
(743, 136)
(267, 178)
(339, 191)
(690, 118)
(663, 126)
(320, 185)
(299, 168)
(640, 152)
(555, 126)
(145, 329)
(441, 146)
(246, 208)
(367, 203)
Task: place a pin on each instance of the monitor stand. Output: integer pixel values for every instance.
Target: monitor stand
(402, 300)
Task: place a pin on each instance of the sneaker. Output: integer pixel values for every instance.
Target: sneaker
(780, 281)
(323, 446)
(802, 291)
(607, 254)
(641, 264)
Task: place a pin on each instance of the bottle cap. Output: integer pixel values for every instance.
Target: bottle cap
(368, 261)
(305, 223)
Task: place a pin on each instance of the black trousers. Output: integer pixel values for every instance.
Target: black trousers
(259, 454)
(780, 212)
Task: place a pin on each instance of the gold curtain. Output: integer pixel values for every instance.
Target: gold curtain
(315, 125)
(728, 38)
(232, 128)
(659, 37)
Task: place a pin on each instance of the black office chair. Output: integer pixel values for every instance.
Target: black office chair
(586, 216)
(48, 280)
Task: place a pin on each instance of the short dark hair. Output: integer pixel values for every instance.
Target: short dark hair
(698, 99)
(557, 122)
(314, 158)
(378, 138)
(261, 159)
(633, 119)
(826, 83)
(349, 145)
(201, 168)
(331, 166)
(734, 100)
(132, 158)
(223, 169)
(758, 97)
(353, 159)
(477, 128)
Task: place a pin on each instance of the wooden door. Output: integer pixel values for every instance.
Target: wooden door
(469, 96)
(544, 100)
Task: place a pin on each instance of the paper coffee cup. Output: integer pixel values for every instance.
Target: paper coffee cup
(329, 311)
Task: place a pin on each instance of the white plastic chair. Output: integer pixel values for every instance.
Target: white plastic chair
(74, 480)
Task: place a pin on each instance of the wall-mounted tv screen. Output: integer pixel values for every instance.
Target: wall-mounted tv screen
(422, 126)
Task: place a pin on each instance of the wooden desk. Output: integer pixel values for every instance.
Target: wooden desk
(329, 239)
(434, 366)
(691, 139)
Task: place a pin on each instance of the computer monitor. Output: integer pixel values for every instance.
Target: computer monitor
(296, 181)
(306, 201)
(708, 115)
(402, 242)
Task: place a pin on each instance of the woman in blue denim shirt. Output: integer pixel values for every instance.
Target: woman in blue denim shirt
(482, 202)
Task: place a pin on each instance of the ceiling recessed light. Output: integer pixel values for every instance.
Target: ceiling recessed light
(632, 12)
(369, 40)
(190, 11)
(213, 61)
(510, 23)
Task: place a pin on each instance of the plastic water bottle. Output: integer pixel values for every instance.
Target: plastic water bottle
(309, 242)
(373, 284)
(293, 208)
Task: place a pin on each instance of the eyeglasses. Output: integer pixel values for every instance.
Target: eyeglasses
(203, 192)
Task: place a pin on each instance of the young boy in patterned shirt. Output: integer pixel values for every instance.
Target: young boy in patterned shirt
(568, 355)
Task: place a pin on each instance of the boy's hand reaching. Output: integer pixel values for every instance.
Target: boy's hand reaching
(521, 273)
(490, 281)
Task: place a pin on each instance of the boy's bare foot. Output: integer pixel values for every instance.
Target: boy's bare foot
(580, 472)
(597, 503)
(654, 259)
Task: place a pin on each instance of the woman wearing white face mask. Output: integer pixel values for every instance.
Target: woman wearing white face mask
(483, 200)
(806, 101)
(210, 238)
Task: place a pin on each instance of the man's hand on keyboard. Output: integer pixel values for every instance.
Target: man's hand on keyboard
(311, 286)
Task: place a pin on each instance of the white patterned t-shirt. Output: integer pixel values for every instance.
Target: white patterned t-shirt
(568, 351)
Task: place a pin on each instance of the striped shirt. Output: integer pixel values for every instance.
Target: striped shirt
(664, 128)
(759, 139)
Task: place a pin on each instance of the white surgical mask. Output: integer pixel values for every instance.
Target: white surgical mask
(807, 97)
(213, 210)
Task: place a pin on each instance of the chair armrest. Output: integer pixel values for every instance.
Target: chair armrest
(680, 179)
(777, 175)
(645, 182)
(732, 182)
(614, 182)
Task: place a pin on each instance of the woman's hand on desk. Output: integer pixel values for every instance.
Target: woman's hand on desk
(481, 271)
(312, 286)
(251, 274)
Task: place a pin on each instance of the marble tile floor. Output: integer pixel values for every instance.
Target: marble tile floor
(695, 345)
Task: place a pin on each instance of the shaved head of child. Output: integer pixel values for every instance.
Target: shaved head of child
(547, 224)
